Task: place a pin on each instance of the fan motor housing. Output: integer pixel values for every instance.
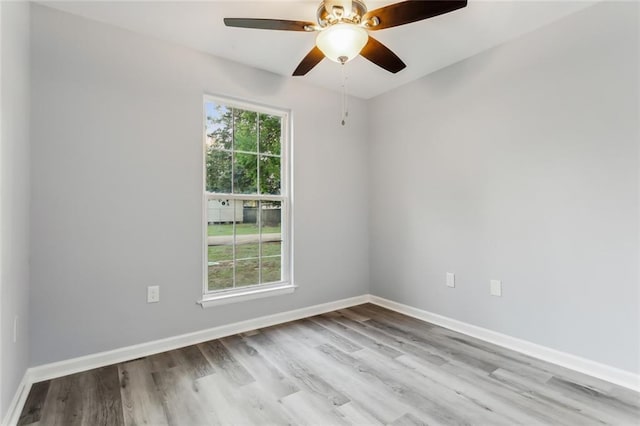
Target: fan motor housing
(331, 12)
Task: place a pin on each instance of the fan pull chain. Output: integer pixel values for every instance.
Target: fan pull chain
(345, 100)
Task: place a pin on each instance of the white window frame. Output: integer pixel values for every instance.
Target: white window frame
(286, 285)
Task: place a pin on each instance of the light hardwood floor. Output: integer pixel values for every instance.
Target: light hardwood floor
(363, 365)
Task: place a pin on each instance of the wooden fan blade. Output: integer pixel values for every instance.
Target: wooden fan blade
(382, 56)
(410, 11)
(268, 24)
(312, 59)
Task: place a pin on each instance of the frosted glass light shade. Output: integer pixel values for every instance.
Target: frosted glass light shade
(342, 42)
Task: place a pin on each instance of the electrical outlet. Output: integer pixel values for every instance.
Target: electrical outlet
(496, 288)
(451, 279)
(153, 294)
(15, 329)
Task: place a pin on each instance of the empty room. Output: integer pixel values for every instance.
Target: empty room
(326, 212)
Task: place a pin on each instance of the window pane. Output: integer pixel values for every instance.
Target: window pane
(246, 250)
(247, 272)
(221, 276)
(270, 133)
(270, 175)
(271, 269)
(221, 214)
(218, 171)
(245, 174)
(247, 232)
(249, 223)
(271, 218)
(271, 237)
(271, 246)
(220, 247)
(219, 123)
(245, 130)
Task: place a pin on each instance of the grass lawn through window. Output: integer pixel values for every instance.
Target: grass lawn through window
(247, 265)
(241, 229)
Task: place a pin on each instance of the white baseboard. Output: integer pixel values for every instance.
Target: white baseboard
(15, 407)
(75, 365)
(563, 359)
(88, 362)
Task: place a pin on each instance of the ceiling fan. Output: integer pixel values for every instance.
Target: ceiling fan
(343, 28)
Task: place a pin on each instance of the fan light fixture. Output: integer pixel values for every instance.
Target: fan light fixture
(342, 42)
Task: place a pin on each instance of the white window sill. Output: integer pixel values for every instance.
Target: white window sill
(247, 294)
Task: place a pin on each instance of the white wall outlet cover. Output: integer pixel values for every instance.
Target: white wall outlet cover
(496, 288)
(153, 294)
(451, 279)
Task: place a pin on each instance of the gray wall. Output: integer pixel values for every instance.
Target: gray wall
(14, 197)
(519, 164)
(116, 172)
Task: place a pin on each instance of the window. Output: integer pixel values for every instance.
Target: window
(247, 201)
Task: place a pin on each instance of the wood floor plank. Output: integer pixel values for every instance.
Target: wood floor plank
(105, 406)
(211, 394)
(353, 315)
(240, 405)
(297, 369)
(557, 399)
(193, 360)
(355, 336)
(88, 398)
(432, 410)
(265, 373)
(141, 402)
(328, 336)
(180, 398)
(372, 311)
(408, 420)
(613, 406)
(308, 408)
(356, 414)
(162, 361)
(444, 390)
(526, 401)
(626, 395)
(523, 365)
(32, 411)
(62, 398)
(383, 404)
(548, 368)
(422, 338)
(472, 386)
(219, 356)
(401, 344)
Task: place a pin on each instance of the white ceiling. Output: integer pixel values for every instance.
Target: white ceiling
(424, 46)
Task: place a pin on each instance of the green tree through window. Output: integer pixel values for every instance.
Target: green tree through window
(248, 140)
